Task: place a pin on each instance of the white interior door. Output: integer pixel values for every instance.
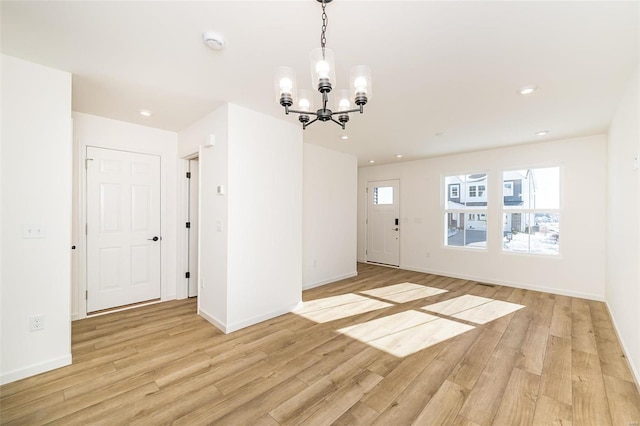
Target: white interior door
(123, 228)
(383, 222)
(193, 229)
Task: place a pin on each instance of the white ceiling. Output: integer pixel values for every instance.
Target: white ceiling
(438, 67)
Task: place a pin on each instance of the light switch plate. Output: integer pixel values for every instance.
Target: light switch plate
(33, 231)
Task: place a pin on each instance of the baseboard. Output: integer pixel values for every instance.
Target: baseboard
(560, 292)
(260, 318)
(308, 286)
(75, 316)
(34, 369)
(213, 320)
(632, 367)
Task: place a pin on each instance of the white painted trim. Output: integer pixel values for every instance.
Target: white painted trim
(34, 369)
(578, 294)
(124, 308)
(329, 280)
(634, 370)
(255, 320)
(182, 263)
(384, 265)
(260, 318)
(81, 244)
(213, 320)
(182, 240)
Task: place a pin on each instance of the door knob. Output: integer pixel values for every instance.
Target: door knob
(153, 239)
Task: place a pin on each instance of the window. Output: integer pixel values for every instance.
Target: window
(531, 211)
(383, 195)
(465, 216)
(507, 189)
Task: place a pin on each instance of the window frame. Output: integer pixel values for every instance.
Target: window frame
(530, 212)
(456, 187)
(504, 185)
(478, 211)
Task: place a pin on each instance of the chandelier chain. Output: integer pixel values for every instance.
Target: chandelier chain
(325, 21)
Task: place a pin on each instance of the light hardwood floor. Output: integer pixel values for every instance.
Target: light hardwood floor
(555, 361)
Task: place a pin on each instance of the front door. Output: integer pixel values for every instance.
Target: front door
(383, 222)
(123, 228)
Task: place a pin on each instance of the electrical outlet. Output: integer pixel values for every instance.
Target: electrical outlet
(36, 323)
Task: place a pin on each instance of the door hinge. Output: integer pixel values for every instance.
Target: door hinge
(86, 295)
(188, 175)
(86, 162)
(188, 224)
(86, 229)
(187, 275)
(366, 252)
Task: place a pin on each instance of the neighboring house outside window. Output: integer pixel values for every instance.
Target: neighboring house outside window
(531, 211)
(465, 210)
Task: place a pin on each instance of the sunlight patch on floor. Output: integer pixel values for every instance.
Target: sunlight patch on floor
(479, 310)
(457, 304)
(406, 332)
(333, 301)
(338, 307)
(405, 292)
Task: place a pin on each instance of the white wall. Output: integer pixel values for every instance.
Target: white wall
(265, 217)
(582, 220)
(36, 189)
(90, 130)
(251, 236)
(212, 260)
(623, 223)
(329, 216)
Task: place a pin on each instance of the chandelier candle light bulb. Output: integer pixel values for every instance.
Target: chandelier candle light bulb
(323, 79)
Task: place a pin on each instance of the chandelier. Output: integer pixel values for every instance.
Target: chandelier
(323, 76)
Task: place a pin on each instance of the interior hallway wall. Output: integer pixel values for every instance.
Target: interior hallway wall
(329, 216)
(623, 222)
(35, 198)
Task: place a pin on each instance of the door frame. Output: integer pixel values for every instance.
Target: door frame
(81, 243)
(182, 291)
(366, 223)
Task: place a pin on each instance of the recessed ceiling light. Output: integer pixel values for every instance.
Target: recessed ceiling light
(527, 90)
(146, 112)
(213, 40)
(399, 156)
(344, 137)
(372, 161)
(542, 133)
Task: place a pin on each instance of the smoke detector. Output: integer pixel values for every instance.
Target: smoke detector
(213, 40)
